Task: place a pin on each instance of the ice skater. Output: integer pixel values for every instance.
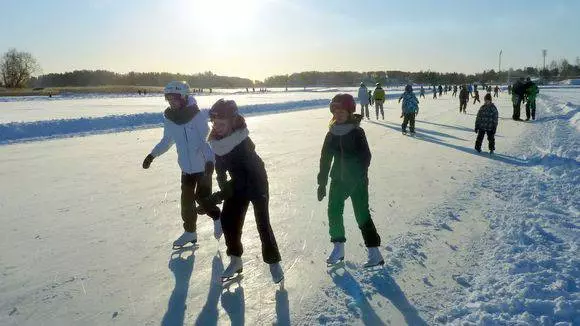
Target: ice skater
(363, 98)
(531, 93)
(409, 109)
(476, 96)
(186, 127)
(486, 123)
(518, 92)
(379, 97)
(422, 92)
(235, 154)
(454, 94)
(463, 99)
(496, 91)
(346, 155)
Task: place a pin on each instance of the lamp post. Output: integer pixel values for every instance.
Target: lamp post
(499, 66)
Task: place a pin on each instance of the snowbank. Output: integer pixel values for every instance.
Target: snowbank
(24, 131)
(530, 272)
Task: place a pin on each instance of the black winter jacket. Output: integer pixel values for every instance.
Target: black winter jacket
(347, 145)
(246, 168)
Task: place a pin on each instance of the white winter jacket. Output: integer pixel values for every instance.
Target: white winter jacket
(363, 95)
(190, 139)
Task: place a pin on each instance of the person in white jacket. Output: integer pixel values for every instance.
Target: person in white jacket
(363, 98)
(187, 127)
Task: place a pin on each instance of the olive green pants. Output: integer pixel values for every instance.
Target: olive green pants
(359, 195)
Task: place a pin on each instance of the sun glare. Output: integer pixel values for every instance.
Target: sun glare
(223, 17)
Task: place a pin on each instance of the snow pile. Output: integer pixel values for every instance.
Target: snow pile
(530, 272)
(571, 82)
(25, 131)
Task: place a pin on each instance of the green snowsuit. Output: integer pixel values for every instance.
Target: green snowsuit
(347, 145)
(532, 91)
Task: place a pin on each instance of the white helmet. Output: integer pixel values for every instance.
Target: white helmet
(177, 87)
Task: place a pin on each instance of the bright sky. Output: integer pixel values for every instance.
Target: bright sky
(259, 38)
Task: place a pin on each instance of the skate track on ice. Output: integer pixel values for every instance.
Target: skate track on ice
(86, 233)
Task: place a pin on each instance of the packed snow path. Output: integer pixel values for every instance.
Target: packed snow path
(86, 233)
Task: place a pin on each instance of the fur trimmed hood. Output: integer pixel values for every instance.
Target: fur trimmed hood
(227, 144)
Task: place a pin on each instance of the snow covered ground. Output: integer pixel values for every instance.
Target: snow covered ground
(468, 239)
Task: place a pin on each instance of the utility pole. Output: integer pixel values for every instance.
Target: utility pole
(544, 53)
(499, 66)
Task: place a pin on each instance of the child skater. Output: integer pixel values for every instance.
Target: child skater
(346, 144)
(235, 153)
(186, 127)
(410, 109)
(486, 123)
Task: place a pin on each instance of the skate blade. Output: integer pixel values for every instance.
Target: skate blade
(337, 263)
(280, 281)
(381, 263)
(193, 245)
(226, 281)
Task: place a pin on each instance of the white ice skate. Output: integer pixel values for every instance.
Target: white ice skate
(217, 229)
(375, 257)
(277, 272)
(184, 239)
(234, 269)
(337, 254)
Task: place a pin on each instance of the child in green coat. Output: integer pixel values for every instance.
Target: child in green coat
(346, 144)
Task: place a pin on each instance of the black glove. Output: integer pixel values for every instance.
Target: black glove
(321, 192)
(147, 161)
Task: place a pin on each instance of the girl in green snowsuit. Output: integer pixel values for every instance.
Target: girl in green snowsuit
(346, 144)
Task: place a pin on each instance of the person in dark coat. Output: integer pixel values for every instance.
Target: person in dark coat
(518, 93)
(409, 109)
(454, 94)
(463, 99)
(235, 154)
(346, 145)
(486, 123)
(476, 96)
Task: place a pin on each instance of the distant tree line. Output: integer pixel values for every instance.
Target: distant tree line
(556, 70)
(17, 68)
(103, 77)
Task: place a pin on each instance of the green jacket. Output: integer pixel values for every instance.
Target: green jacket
(532, 91)
(346, 145)
(379, 94)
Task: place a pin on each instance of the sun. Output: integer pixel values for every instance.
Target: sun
(222, 17)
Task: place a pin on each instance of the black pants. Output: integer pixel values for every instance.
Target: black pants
(490, 139)
(517, 102)
(462, 105)
(195, 187)
(531, 105)
(476, 99)
(409, 118)
(233, 215)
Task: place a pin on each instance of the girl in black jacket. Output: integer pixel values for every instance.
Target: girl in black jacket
(235, 153)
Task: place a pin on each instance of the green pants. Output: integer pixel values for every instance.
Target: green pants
(359, 195)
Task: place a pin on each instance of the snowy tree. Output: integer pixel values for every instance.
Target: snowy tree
(16, 68)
